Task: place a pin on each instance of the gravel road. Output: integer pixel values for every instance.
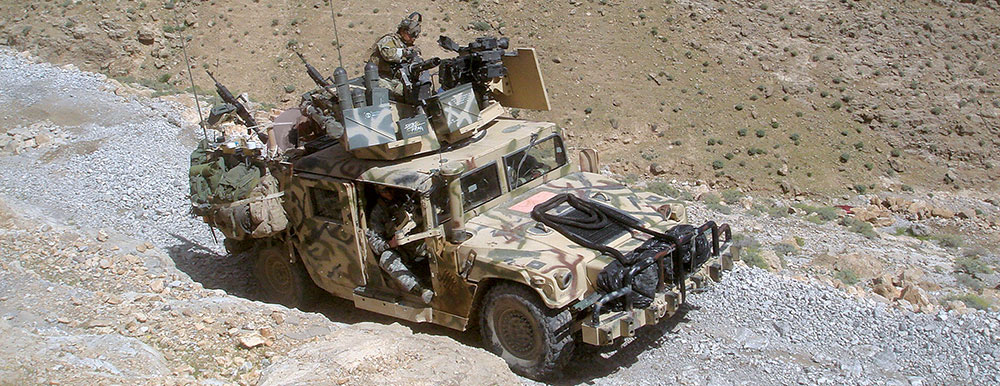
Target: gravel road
(124, 168)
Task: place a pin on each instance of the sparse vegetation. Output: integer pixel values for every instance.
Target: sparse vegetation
(858, 226)
(846, 276)
(973, 300)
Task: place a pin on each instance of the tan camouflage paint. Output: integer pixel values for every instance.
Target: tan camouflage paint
(505, 243)
(330, 248)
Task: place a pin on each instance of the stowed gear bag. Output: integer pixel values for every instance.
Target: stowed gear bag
(236, 199)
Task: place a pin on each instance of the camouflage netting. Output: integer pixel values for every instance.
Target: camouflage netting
(235, 194)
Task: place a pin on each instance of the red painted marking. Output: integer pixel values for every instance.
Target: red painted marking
(528, 204)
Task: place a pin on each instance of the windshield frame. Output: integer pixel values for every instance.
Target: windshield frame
(512, 180)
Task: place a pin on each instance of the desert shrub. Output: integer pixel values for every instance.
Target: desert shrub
(775, 124)
(801, 242)
(718, 164)
(972, 266)
(846, 276)
(858, 226)
(760, 133)
(731, 196)
(860, 188)
(480, 25)
(664, 189)
(738, 107)
(937, 111)
(972, 300)
(895, 153)
(949, 240)
(783, 249)
(844, 157)
(742, 132)
(778, 211)
(751, 256)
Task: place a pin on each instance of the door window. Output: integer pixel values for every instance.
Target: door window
(326, 204)
(480, 186)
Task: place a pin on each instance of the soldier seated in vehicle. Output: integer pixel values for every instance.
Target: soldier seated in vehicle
(393, 49)
(393, 217)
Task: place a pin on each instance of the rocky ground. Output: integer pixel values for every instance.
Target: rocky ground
(103, 268)
(106, 278)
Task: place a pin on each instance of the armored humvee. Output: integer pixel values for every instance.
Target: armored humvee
(526, 240)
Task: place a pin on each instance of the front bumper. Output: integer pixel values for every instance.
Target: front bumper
(602, 328)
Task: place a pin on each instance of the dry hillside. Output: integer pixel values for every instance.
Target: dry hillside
(773, 96)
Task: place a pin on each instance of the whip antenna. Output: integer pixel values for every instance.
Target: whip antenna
(194, 90)
(336, 36)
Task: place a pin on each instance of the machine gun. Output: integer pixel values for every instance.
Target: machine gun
(477, 63)
(417, 85)
(241, 110)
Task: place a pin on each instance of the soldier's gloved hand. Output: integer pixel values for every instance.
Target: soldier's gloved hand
(411, 52)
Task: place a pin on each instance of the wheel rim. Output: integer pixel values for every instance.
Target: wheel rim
(277, 275)
(517, 331)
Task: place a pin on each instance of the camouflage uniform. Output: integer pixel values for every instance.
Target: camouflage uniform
(389, 51)
(388, 218)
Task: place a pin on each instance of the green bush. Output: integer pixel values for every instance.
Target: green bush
(731, 196)
(972, 266)
(778, 211)
(844, 157)
(718, 164)
(973, 300)
(858, 226)
(480, 25)
(664, 189)
(860, 188)
(751, 256)
(846, 276)
(783, 250)
(949, 241)
(742, 132)
(761, 133)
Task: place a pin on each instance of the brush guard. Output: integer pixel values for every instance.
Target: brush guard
(681, 251)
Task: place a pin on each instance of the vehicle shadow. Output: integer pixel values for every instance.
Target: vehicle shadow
(214, 269)
(590, 362)
(234, 274)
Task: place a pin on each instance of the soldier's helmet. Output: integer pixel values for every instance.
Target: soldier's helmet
(411, 24)
(221, 113)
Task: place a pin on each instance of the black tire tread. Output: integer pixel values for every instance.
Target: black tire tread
(556, 325)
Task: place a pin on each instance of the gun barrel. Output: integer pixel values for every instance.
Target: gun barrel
(314, 74)
(425, 65)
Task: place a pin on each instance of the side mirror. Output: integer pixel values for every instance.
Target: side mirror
(589, 161)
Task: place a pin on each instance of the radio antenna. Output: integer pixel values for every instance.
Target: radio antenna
(194, 90)
(336, 36)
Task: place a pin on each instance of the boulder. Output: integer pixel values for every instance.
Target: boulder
(942, 212)
(146, 34)
(914, 295)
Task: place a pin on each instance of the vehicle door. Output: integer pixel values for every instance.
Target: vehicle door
(329, 242)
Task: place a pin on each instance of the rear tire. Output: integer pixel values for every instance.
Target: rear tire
(535, 341)
(282, 281)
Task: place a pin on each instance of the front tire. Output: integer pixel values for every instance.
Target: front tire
(282, 281)
(535, 341)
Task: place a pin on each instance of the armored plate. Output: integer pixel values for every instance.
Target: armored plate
(459, 107)
(369, 126)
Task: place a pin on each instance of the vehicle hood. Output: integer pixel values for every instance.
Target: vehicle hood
(506, 237)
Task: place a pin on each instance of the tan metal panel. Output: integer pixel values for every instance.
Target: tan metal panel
(523, 87)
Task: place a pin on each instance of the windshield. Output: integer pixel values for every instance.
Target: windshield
(527, 164)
